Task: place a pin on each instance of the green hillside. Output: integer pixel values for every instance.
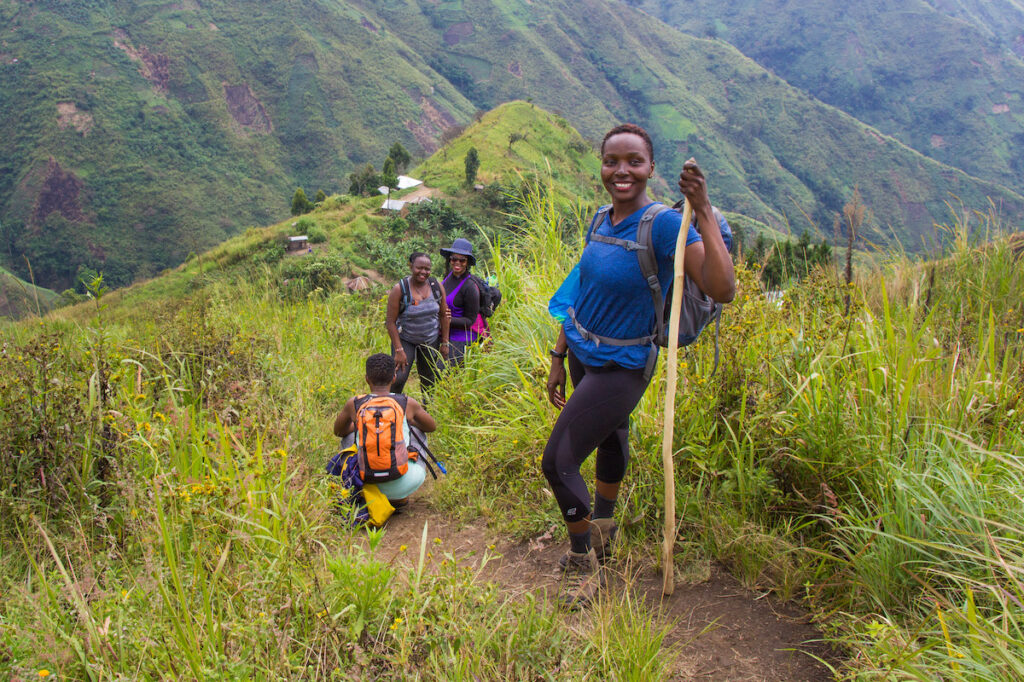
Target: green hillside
(139, 132)
(19, 298)
(942, 77)
(516, 141)
(854, 461)
(1001, 19)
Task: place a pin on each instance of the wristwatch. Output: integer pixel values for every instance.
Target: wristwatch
(556, 354)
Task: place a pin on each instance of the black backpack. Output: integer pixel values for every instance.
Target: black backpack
(406, 298)
(490, 297)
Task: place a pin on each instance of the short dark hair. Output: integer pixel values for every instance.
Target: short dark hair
(633, 129)
(380, 369)
(418, 254)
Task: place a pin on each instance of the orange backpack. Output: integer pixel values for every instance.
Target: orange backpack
(380, 433)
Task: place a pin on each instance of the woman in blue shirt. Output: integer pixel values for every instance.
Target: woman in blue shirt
(613, 301)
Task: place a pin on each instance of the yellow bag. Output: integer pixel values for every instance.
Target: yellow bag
(377, 504)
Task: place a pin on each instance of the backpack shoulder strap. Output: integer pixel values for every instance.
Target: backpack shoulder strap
(649, 264)
(597, 220)
(406, 297)
(435, 288)
(593, 234)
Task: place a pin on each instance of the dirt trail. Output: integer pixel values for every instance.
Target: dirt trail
(722, 630)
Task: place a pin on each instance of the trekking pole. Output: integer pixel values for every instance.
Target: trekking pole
(427, 453)
(668, 544)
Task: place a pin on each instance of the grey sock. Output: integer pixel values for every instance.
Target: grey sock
(603, 507)
(580, 542)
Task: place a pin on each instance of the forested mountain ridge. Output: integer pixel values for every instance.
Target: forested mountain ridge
(945, 77)
(138, 132)
(1002, 19)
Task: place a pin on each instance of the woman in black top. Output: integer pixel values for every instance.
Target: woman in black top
(462, 298)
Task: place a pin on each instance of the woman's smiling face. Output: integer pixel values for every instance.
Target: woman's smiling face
(626, 165)
(458, 264)
(420, 269)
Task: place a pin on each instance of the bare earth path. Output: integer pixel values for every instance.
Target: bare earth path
(722, 630)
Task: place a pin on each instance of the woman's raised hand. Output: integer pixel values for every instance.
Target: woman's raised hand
(693, 185)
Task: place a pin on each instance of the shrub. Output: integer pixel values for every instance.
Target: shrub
(302, 276)
(316, 235)
(300, 204)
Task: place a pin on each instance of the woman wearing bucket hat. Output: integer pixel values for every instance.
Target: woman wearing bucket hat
(463, 299)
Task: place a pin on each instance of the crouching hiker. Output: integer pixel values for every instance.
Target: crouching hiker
(380, 424)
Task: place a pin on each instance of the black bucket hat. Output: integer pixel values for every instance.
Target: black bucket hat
(463, 248)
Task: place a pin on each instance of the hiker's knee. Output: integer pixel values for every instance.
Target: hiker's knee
(610, 464)
(549, 465)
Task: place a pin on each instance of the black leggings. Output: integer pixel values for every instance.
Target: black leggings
(595, 416)
(428, 361)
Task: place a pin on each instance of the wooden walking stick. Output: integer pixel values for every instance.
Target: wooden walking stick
(668, 544)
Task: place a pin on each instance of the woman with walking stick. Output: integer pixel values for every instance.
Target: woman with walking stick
(607, 338)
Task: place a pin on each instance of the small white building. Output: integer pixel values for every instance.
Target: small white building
(404, 182)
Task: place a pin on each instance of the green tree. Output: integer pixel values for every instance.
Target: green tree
(388, 175)
(472, 165)
(300, 204)
(364, 181)
(321, 197)
(400, 156)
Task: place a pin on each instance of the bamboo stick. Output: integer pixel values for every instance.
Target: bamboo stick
(668, 544)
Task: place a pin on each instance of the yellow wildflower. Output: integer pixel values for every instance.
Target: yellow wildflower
(403, 548)
(44, 672)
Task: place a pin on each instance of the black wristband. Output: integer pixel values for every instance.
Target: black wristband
(556, 354)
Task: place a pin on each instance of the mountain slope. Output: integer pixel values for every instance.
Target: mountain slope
(143, 131)
(940, 76)
(1002, 19)
(139, 132)
(19, 298)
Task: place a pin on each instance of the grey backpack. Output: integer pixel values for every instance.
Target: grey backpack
(697, 308)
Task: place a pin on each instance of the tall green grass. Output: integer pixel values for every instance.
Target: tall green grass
(206, 547)
(869, 461)
(164, 515)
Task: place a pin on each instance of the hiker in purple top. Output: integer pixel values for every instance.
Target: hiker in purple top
(463, 299)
